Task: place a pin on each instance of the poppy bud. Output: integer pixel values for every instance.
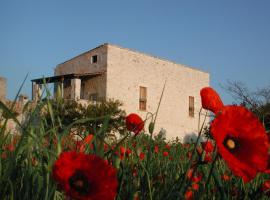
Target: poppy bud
(117, 162)
(151, 127)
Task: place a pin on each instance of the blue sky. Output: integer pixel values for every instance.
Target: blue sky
(229, 39)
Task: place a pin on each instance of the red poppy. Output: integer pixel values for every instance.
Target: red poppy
(86, 141)
(225, 177)
(124, 152)
(208, 146)
(211, 100)
(134, 123)
(4, 155)
(84, 176)
(142, 156)
(189, 195)
(136, 196)
(190, 173)
(189, 154)
(156, 149)
(106, 147)
(128, 151)
(9, 147)
(167, 146)
(241, 141)
(34, 161)
(199, 150)
(196, 178)
(195, 186)
(266, 187)
(165, 153)
(134, 144)
(207, 158)
(134, 172)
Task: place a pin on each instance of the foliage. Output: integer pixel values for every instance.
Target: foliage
(69, 111)
(257, 101)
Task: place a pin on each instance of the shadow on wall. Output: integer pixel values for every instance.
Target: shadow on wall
(191, 138)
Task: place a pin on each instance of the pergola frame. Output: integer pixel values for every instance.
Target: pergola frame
(75, 83)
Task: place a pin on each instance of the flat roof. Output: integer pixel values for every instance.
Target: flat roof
(59, 78)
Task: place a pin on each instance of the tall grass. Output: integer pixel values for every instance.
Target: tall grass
(144, 170)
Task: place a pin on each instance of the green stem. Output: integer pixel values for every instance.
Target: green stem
(148, 180)
(220, 188)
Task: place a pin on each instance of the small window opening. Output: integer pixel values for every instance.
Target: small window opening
(143, 98)
(94, 59)
(191, 108)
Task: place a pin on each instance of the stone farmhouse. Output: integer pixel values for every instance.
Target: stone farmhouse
(136, 79)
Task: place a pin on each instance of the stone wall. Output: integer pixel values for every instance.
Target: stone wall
(128, 70)
(96, 85)
(83, 63)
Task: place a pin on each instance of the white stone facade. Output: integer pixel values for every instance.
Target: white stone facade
(124, 71)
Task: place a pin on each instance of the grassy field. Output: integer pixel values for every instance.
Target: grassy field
(138, 165)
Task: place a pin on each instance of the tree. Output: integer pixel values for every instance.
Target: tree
(67, 112)
(257, 101)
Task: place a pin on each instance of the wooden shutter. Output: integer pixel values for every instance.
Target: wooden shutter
(143, 98)
(191, 106)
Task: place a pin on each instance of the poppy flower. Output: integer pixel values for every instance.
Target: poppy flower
(195, 186)
(207, 158)
(136, 196)
(189, 195)
(167, 146)
(4, 156)
(128, 151)
(86, 141)
(84, 176)
(266, 187)
(142, 156)
(239, 133)
(225, 177)
(134, 172)
(165, 153)
(208, 146)
(189, 154)
(106, 147)
(211, 100)
(196, 178)
(190, 174)
(156, 149)
(9, 147)
(124, 152)
(134, 123)
(134, 144)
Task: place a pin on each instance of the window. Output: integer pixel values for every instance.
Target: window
(191, 106)
(142, 101)
(94, 59)
(93, 97)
